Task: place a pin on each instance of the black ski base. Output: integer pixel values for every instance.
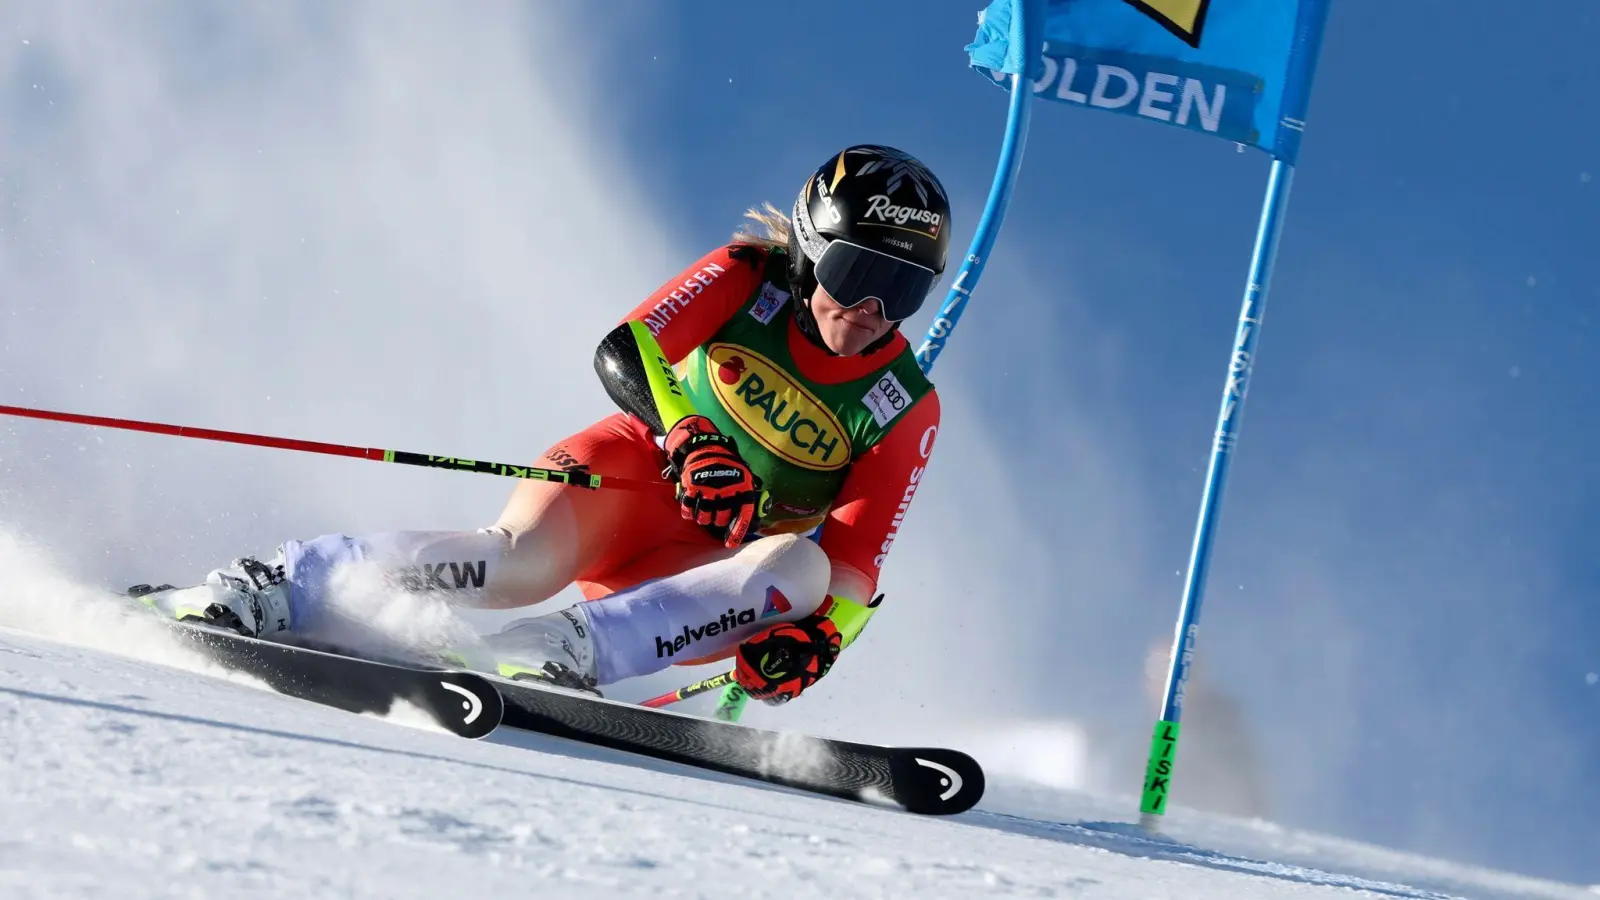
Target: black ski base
(924, 780)
(462, 702)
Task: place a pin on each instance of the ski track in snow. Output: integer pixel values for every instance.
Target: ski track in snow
(126, 777)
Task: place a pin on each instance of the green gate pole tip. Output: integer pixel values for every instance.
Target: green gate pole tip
(730, 708)
(1158, 773)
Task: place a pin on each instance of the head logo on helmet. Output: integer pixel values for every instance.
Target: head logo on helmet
(829, 214)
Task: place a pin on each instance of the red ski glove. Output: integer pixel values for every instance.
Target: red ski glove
(715, 486)
(777, 664)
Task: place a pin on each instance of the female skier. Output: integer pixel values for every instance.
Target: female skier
(800, 407)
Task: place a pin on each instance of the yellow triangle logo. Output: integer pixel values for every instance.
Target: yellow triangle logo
(1184, 18)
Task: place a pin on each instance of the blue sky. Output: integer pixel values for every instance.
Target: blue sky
(1416, 484)
(393, 227)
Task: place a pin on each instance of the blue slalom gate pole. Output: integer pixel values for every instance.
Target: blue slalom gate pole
(1164, 743)
(1018, 115)
(730, 706)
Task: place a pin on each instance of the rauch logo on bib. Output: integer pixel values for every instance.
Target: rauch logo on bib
(777, 411)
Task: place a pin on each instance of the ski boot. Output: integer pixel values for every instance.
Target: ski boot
(249, 598)
(556, 649)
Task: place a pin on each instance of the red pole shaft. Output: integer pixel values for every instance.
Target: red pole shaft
(577, 478)
(207, 434)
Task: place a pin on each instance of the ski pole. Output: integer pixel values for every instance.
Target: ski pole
(689, 690)
(576, 478)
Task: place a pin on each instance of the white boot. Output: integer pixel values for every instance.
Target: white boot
(250, 598)
(558, 648)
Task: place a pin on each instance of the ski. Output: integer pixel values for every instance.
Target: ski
(461, 702)
(924, 780)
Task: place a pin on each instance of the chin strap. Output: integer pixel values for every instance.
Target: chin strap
(802, 283)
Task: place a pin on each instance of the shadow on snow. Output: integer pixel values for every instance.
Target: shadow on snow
(1131, 840)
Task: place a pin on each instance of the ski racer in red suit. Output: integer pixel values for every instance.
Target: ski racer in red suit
(769, 383)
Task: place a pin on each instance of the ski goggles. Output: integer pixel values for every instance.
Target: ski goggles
(853, 274)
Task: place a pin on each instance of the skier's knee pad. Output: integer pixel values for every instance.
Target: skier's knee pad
(706, 610)
(793, 565)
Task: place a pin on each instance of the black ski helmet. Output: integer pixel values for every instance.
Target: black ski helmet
(871, 223)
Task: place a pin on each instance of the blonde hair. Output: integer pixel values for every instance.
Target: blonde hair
(770, 228)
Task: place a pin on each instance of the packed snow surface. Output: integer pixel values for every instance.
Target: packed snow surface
(136, 770)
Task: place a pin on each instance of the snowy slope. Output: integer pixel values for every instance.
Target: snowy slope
(123, 775)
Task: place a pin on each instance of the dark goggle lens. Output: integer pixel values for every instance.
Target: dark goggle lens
(852, 275)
